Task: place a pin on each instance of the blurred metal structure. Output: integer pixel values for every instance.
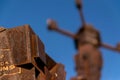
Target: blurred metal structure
(87, 41)
(23, 57)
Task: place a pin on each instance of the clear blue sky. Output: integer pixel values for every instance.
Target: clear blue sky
(103, 14)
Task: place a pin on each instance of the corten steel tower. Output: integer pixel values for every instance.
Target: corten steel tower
(87, 41)
(23, 56)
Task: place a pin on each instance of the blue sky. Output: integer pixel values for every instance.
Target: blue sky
(103, 14)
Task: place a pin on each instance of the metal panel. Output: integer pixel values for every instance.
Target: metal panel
(25, 45)
(58, 72)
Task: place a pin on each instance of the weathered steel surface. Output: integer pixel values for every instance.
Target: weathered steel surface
(44, 76)
(58, 72)
(22, 55)
(8, 70)
(50, 63)
(25, 45)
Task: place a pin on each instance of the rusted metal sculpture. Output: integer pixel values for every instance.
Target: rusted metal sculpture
(23, 57)
(87, 42)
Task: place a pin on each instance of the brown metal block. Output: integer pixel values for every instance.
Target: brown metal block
(47, 74)
(27, 74)
(50, 63)
(41, 50)
(44, 76)
(58, 72)
(41, 76)
(24, 74)
(6, 64)
(22, 57)
(8, 70)
(18, 49)
(24, 45)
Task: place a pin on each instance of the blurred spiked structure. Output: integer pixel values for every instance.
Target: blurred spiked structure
(87, 41)
(23, 57)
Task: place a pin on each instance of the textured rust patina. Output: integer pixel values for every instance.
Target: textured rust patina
(23, 57)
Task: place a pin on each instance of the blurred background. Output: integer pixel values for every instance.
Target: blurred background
(103, 14)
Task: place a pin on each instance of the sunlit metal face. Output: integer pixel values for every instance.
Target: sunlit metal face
(6, 64)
